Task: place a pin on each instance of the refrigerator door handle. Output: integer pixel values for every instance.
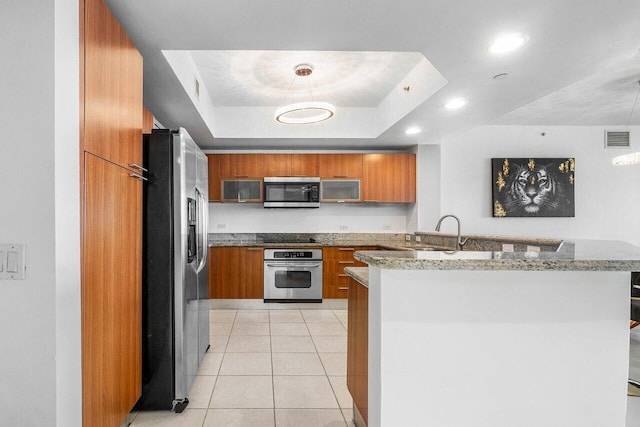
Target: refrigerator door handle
(203, 224)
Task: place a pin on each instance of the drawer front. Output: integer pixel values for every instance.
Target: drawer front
(335, 281)
(337, 287)
(336, 292)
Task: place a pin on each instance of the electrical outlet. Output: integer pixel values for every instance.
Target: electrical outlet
(223, 226)
(533, 248)
(418, 239)
(386, 227)
(407, 237)
(507, 247)
(344, 227)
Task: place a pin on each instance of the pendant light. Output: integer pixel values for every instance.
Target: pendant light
(304, 112)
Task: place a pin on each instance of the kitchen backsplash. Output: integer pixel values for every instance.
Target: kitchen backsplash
(328, 218)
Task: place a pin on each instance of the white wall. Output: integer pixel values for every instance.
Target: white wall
(424, 214)
(359, 218)
(39, 208)
(607, 197)
(67, 214)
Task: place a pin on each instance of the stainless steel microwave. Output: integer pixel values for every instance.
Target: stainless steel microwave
(291, 192)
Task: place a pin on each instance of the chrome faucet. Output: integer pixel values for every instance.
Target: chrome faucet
(460, 240)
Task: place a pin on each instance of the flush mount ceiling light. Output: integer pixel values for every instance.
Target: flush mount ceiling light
(302, 113)
(507, 43)
(413, 130)
(455, 103)
(630, 159)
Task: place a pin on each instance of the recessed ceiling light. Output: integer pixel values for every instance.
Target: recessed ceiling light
(413, 130)
(507, 43)
(455, 103)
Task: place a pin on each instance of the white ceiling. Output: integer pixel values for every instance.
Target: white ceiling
(267, 79)
(570, 41)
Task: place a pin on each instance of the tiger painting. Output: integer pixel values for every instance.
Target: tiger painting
(534, 187)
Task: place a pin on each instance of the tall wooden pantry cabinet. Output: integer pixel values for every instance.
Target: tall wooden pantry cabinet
(111, 187)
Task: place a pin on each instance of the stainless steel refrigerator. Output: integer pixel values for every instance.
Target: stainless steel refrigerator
(175, 269)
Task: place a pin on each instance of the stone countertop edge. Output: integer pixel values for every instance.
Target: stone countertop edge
(579, 255)
(359, 274)
(382, 244)
(512, 239)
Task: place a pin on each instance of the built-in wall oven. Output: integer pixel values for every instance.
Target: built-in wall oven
(293, 275)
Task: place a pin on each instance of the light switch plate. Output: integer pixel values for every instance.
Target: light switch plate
(418, 239)
(533, 248)
(12, 261)
(507, 247)
(407, 237)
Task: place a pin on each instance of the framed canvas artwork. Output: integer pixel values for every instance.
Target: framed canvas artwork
(533, 187)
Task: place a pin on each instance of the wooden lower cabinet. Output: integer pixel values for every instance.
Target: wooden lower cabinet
(236, 272)
(358, 346)
(111, 292)
(335, 282)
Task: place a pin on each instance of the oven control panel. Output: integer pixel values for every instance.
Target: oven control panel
(286, 254)
(292, 254)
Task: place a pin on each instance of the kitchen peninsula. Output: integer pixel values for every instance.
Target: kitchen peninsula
(492, 338)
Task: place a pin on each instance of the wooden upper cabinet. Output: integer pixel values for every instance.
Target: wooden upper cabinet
(304, 165)
(389, 178)
(214, 177)
(276, 165)
(290, 165)
(340, 166)
(147, 121)
(241, 165)
(112, 88)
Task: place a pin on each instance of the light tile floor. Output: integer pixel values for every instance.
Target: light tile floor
(285, 366)
(274, 367)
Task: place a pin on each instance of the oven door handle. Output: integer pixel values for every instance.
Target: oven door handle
(295, 265)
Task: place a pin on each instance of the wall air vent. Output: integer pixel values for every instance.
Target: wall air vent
(616, 139)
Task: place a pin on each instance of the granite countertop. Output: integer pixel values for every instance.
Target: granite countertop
(587, 255)
(391, 241)
(394, 246)
(360, 274)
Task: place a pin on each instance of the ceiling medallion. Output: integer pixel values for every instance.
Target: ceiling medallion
(309, 112)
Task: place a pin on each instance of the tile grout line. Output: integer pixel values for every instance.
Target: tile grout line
(220, 367)
(324, 368)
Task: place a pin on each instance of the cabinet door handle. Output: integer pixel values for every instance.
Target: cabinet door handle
(346, 249)
(343, 289)
(136, 176)
(136, 166)
(254, 249)
(346, 262)
(343, 275)
(339, 176)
